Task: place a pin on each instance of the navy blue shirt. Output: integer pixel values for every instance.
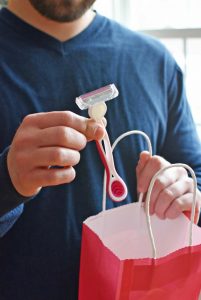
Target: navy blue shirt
(40, 243)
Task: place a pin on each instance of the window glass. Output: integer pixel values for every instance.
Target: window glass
(154, 14)
(3, 2)
(105, 7)
(176, 47)
(167, 14)
(189, 59)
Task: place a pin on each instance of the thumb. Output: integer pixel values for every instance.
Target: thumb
(144, 157)
(94, 130)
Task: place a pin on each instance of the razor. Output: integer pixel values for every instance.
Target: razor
(95, 103)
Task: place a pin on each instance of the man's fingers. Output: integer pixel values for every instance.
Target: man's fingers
(60, 136)
(48, 139)
(94, 131)
(55, 156)
(91, 129)
(151, 166)
(181, 204)
(164, 199)
(172, 190)
(169, 183)
(144, 157)
(49, 177)
(56, 118)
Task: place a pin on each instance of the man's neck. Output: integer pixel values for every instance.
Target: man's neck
(61, 31)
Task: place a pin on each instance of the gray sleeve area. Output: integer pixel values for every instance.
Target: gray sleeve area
(9, 219)
(10, 199)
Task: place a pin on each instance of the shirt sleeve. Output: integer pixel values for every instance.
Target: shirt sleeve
(11, 202)
(182, 143)
(9, 219)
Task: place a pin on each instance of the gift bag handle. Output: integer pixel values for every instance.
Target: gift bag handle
(137, 132)
(148, 196)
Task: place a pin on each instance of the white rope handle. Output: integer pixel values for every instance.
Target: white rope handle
(148, 203)
(113, 147)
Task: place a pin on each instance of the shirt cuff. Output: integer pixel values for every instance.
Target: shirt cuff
(9, 197)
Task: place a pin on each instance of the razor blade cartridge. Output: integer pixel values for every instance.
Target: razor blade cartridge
(100, 95)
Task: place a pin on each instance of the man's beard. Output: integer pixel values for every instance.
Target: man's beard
(62, 10)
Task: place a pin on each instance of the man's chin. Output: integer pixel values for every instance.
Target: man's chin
(61, 11)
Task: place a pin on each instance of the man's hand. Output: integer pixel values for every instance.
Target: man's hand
(44, 140)
(173, 190)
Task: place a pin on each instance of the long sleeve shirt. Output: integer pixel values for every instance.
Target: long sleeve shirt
(41, 236)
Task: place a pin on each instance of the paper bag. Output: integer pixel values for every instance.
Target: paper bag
(119, 262)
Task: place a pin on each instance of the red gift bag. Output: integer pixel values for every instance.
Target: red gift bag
(124, 258)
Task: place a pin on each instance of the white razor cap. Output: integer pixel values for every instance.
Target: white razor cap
(97, 111)
(103, 94)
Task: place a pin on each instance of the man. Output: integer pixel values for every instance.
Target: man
(52, 51)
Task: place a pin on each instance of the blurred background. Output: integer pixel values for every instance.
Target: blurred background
(177, 24)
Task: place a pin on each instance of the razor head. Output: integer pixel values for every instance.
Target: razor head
(103, 94)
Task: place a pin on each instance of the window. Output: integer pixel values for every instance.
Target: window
(105, 7)
(3, 2)
(177, 24)
(160, 14)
